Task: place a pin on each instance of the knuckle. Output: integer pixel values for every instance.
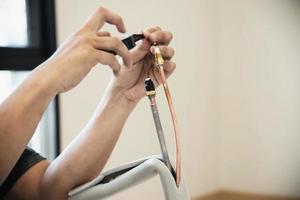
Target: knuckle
(174, 65)
(107, 33)
(81, 43)
(170, 66)
(166, 36)
(119, 18)
(102, 10)
(117, 42)
(172, 50)
(85, 39)
(167, 51)
(157, 28)
(163, 50)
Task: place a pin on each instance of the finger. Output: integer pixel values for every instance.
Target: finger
(102, 15)
(169, 67)
(161, 37)
(147, 32)
(166, 51)
(140, 51)
(142, 48)
(113, 44)
(103, 34)
(108, 59)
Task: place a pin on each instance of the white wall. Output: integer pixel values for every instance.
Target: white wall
(236, 91)
(259, 78)
(193, 87)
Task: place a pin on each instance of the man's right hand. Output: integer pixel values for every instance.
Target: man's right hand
(82, 51)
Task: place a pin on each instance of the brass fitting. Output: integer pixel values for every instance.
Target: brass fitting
(150, 88)
(159, 61)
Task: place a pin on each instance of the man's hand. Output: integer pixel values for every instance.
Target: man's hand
(101, 133)
(83, 50)
(130, 80)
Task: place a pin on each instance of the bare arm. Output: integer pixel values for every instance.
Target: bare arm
(21, 111)
(29, 184)
(19, 115)
(87, 154)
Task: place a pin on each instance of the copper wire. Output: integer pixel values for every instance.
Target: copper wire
(159, 63)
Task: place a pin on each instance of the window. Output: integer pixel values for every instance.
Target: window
(29, 35)
(27, 38)
(14, 33)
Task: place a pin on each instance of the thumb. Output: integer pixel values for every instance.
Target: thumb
(140, 51)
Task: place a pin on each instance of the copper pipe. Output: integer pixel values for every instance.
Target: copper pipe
(159, 63)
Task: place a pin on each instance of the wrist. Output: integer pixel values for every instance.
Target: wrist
(118, 96)
(127, 96)
(43, 81)
(114, 102)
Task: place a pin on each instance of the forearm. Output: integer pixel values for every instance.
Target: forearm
(86, 156)
(20, 114)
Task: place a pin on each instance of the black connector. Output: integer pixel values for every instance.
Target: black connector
(130, 41)
(149, 85)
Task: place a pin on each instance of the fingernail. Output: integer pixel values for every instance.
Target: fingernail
(152, 49)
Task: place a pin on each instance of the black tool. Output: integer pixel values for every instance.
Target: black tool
(130, 41)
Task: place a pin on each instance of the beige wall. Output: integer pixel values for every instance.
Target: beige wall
(259, 78)
(236, 91)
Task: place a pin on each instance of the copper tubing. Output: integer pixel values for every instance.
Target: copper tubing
(159, 63)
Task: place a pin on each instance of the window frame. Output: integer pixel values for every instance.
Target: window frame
(41, 18)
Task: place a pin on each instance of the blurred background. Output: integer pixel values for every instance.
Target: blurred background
(236, 91)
